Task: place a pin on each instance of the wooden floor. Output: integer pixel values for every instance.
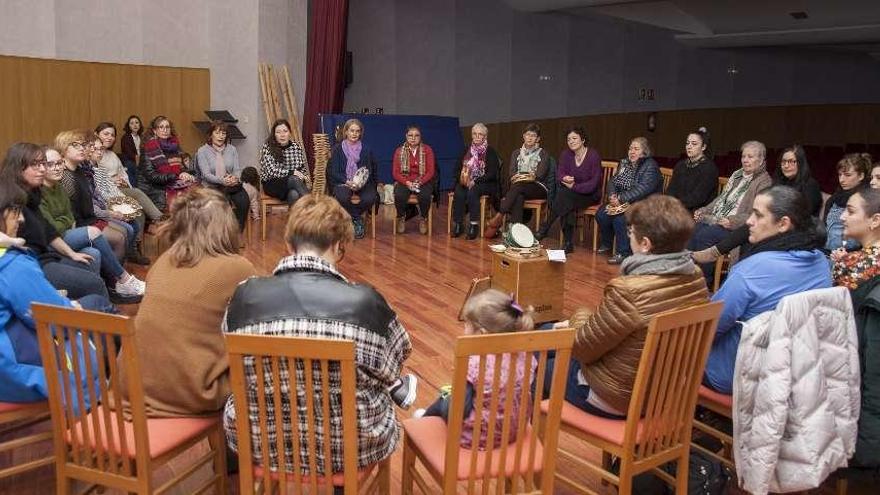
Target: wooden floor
(424, 279)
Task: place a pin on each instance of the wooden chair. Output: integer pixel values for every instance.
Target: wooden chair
(414, 200)
(722, 405)
(722, 265)
(666, 173)
(537, 206)
(315, 360)
(608, 170)
(14, 417)
(267, 202)
(98, 446)
(661, 410)
(484, 210)
(521, 466)
(722, 181)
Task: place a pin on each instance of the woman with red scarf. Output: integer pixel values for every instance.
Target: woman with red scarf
(414, 173)
(162, 174)
(476, 175)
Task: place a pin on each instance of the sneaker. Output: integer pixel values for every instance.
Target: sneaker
(131, 287)
(403, 392)
(423, 226)
(117, 298)
(359, 231)
(419, 413)
(603, 249)
(616, 259)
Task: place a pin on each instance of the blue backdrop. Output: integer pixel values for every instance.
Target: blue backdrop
(384, 133)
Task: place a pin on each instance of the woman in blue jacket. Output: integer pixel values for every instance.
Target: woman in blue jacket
(637, 177)
(22, 283)
(352, 174)
(784, 258)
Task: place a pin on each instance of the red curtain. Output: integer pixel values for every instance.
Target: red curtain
(325, 85)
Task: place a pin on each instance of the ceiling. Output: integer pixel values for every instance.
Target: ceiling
(840, 24)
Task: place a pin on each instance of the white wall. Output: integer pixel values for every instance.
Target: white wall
(228, 37)
(484, 61)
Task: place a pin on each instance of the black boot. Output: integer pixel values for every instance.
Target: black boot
(568, 239)
(542, 232)
(473, 230)
(456, 229)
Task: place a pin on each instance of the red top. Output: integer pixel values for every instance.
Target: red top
(414, 166)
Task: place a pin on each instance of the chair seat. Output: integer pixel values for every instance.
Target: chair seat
(610, 430)
(429, 435)
(270, 201)
(337, 479)
(164, 434)
(724, 400)
(592, 210)
(6, 407)
(535, 202)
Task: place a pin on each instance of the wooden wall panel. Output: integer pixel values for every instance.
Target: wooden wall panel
(41, 97)
(776, 126)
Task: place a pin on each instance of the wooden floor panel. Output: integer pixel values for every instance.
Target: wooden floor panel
(424, 279)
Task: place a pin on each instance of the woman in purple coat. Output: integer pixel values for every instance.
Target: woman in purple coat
(579, 173)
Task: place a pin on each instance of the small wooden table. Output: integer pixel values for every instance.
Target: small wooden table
(536, 282)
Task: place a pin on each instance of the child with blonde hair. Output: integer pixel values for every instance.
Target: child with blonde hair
(491, 311)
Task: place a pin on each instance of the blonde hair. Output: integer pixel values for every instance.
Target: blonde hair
(496, 312)
(318, 221)
(65, 138)
(201, 225)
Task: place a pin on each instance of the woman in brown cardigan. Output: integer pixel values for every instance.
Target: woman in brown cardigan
(179, 338)
(659, 276)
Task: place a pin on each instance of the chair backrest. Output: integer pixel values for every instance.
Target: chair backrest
(521, 453)
(79, 351)
(668, 379)
(666, 173)
(609, 168)
(722, 181)
(269, 359)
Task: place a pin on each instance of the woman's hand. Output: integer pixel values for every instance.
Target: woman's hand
(187, 177)
(122, 181)
(115, 215)
(81, 257)
(725, 222)
(698, 215)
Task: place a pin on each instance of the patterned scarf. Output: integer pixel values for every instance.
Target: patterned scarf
(528, 159)
(475, 160)
(626, 174)
(405, 153)
(733, 193)
(352, 157)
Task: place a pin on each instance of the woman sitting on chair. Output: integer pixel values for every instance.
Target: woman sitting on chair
(637, 177)
(528, 170)
(284, 172)
(658, 277)
(163, 174)
(414, 173)
(732, 207)
(695, 178)
(580, 174)
(180, 318)
(859, 271)
(220, 169)
(351, 174)
(477, 176)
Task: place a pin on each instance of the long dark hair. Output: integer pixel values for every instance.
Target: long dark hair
(126, 129)
(706, 138)
(274, 147)
(803, 172)
(18, 157)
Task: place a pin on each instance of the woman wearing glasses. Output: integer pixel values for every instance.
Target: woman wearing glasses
(162, 172)
(414, 171)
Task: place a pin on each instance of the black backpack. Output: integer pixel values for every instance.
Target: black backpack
(706, 476)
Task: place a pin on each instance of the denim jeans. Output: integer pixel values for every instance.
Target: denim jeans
(78, 240)
(613, 227)
(575, 393)
(78, 279)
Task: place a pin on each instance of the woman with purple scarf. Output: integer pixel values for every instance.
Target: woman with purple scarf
(162, 174)
(476, 175)
(352, 174)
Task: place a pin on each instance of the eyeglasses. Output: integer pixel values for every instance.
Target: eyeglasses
(55, 164)
(38, 164)
(788, 161)
(78, 145)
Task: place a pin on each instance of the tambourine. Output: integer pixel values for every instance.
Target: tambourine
(519, 236)
(360, 178)
(616, 210)
(125, 206)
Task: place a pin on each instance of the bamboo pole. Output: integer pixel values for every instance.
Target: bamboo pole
(292, 109)
(264, 91)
